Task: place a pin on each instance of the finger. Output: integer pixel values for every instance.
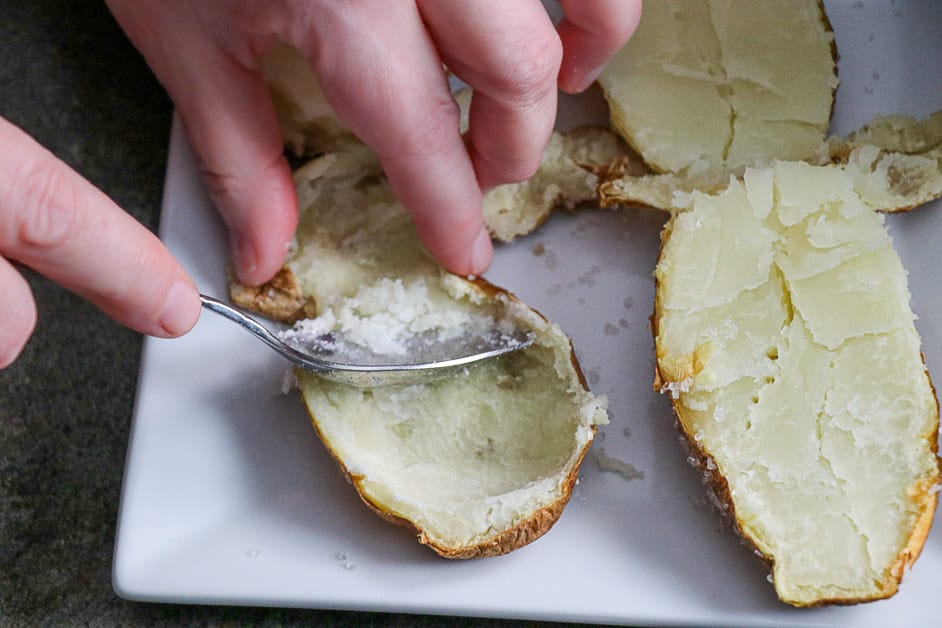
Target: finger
(510, 54)
(591, 33)
(17, 313)
(389, 88)
(230, 119)
(59, 224)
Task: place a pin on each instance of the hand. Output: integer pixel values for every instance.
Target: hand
(380, 64)
(56, 222)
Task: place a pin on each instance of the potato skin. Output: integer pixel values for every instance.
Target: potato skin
(505, 541)
(279, 298)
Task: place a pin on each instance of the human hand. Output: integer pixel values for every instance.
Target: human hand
(380, 65)
(59, 224)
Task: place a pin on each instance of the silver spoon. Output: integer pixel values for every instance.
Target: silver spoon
(428, 357)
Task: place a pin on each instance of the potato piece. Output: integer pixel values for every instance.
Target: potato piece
(704, 87)
(567, 177)
(569, 174)
(894, 163)
(477, 464)
(803, 396)
(308, 122)
(655, 190)
(279, 299)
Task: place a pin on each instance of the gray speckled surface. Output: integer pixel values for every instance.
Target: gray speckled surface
(70, 78)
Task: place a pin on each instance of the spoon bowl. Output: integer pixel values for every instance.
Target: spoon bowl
(335, 357)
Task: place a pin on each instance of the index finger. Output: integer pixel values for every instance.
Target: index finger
(59, 224)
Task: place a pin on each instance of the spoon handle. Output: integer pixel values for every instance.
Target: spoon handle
(264, 334)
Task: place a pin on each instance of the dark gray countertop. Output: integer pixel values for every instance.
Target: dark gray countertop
(70, 79)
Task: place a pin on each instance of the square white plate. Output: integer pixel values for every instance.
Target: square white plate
(229, 497)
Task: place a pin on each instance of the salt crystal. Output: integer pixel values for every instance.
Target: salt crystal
(675, 388)
(289, 381)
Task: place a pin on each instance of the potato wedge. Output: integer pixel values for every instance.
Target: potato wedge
(705, 87)
(476, 464)
(784, 335)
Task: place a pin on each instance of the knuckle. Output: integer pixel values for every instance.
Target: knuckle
(524, 169)
(49, 213)
(432, 133)
(610, 23)
(512, 168)
(533, 66)
(220, 185)
(243, 196)
(614, 35)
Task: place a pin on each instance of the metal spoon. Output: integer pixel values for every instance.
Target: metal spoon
(428, 357)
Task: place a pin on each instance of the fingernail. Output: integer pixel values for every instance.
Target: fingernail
(583, 80)
(181, 309)
(243, 255)
(481, 252)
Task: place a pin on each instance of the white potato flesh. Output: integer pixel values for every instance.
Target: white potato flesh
(807, 391)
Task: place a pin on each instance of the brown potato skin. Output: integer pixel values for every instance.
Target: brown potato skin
(279, 298)
(718, 488)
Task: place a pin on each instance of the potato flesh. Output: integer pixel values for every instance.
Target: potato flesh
(894, 163)
(307, 121)
(705, 86)
(516, 209)
(808, 390)
(463, 457)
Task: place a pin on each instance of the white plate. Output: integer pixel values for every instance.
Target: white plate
(229, 497)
